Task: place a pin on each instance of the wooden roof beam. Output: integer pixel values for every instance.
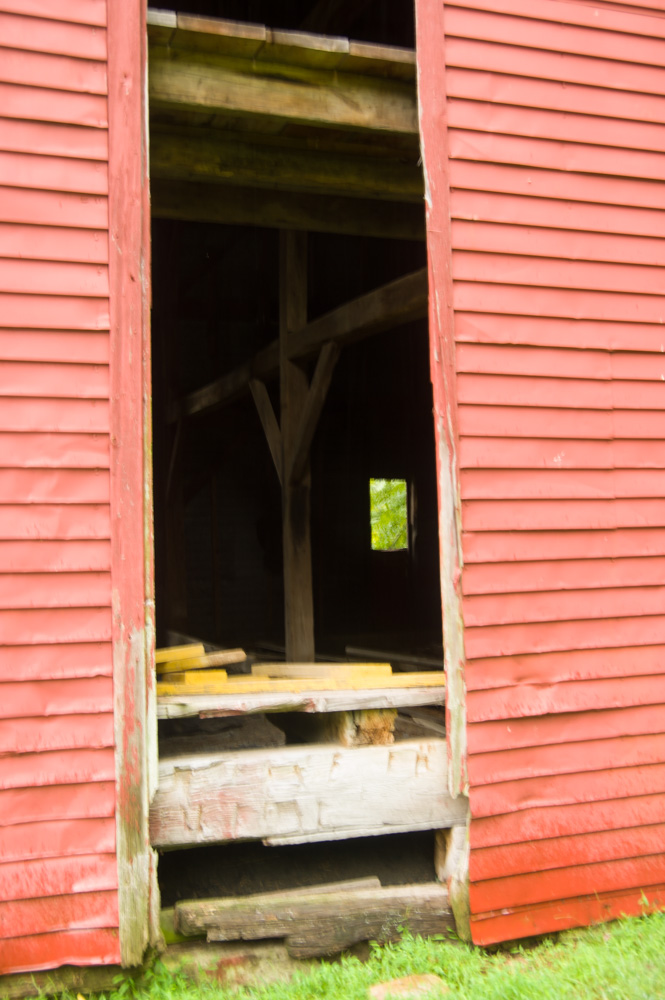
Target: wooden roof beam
(398, 302)
(188, 80)
(205, 155)
(317, 213)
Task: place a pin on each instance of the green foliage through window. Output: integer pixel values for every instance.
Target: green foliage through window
(388, 514)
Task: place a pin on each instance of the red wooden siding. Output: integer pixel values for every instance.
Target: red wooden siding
(554, 142)
(58, 868)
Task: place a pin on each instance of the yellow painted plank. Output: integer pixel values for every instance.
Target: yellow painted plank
(336, 671)
(197, 678)
(220, 658)
(251, 685)
(179, 652)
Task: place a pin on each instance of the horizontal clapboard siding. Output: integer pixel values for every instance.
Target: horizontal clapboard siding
(58, 869)
(557, 229)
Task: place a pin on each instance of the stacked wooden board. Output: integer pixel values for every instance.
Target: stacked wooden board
(186, 670)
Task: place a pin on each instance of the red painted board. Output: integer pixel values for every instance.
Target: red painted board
(540, 123)
(501, 547)
(561, 67)
(51, 173)
(18, 378)
(560, 605)
(48, 951)
(75, 11)
(571, 696)
(47, 312)
(467, 143)
(56, 660)
(479, 328)
(20, 521)
(594, 394)
(43, 69)
(44, 590)
(514, 192)
(469, 202)
(42, 414)
(54, 485)
(54, 556)
(45, 345)
(548, 362)
(55, 625)
(53, 278)
(58, 876)
(60, 451)
(53, 243)
(541, 26)
(564, 484)
(558, 574)
(562, 852)
(540, 887)
(512, 640)
(28, 917)
(48, 35)
(57, 767)
(476, 296)
(603, 18)
(45, 104)
(566, 244)
(568, 727)
(574, 665)
(52, 208)
(543, 422)
(59, 838)
(58, 732)
(19, 806)
(563, 758)
(548, 515)
(567, 789)
(563, 915)
(564, 821)
(53, 139)
(24, 699)
(508, 88)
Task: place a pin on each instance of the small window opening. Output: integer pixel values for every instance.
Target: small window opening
(389, 520)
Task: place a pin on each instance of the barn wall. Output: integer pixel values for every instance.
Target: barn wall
(554, 137)
(58, 868)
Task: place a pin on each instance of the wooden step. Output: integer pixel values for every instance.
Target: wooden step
(321, 923)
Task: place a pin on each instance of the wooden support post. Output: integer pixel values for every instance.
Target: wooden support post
(298, 598)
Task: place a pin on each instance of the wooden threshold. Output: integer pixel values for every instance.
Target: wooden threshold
(188, 704)
(303, 794)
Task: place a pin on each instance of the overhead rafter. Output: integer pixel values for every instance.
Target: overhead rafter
(392, 305)
(195, 202)
(196, 154)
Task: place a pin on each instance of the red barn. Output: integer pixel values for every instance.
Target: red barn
(534, 503)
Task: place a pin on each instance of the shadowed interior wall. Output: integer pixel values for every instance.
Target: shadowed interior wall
(553, 140)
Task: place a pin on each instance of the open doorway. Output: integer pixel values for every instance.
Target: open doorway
(292, 431)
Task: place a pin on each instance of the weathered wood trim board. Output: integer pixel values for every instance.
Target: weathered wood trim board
(307, 700)
(301, 794)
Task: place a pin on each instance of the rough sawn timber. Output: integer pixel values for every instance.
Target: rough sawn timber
(332, 921)
(182, 706)
(303, 794)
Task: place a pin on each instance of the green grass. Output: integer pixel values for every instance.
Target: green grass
(620, 961)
